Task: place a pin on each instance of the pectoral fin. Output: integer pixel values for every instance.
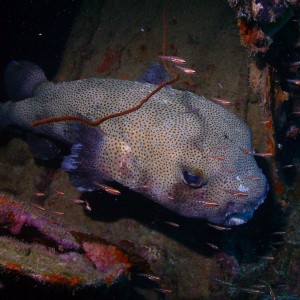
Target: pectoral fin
(97, 157)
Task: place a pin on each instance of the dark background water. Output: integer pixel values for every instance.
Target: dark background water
(35, 30)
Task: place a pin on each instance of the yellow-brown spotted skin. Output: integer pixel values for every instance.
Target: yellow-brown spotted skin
(179, 149)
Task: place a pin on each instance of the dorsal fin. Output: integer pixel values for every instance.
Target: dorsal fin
(21, 78)
(155, 74)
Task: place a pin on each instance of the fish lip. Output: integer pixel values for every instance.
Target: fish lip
(235, 218)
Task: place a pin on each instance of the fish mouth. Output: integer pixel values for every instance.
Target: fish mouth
(235, 218)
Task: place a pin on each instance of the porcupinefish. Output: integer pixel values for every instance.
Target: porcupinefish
(179, 149)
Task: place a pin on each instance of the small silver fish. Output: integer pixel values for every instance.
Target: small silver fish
(221, 101)
(107, 189)
(221, 228)
(186, 70)
(295, 81)
(174, 59)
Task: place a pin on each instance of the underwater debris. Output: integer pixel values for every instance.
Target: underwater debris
(259, 21)
(66, 257)
(252, 37)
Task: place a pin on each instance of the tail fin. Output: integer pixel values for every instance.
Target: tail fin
(21, 78)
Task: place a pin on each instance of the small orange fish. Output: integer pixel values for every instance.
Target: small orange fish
(294, 64)
(213, 246)
(39, 207)
(228, 170)
(186, 70)
(59, 193)
(246, 151)
(38, 194)
(87, 206)
(78, 201)
(255, 178)
(61, 248)
(149, 276)
(236, 193)
(144, 186)
(269, 154)
(295, 81)
(240, 194)
(172, 224)
(221, 228)
(208, 203)
(163, 290)
(174, 59)
(107, 188)
(58, 212)
(221, 101)
(265, 122)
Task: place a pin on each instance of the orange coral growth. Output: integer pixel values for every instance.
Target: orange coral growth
(279, 187)
(108, 280)
(105, 256)
(111, 56)
(251, 35)
(6, 201)
(271, 145)
(280, 97)
(57, 279)
(270, 136)
(13, 266)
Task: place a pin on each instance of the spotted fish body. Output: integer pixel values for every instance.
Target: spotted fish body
(179, 149)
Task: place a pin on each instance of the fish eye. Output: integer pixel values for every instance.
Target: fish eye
(192, 180)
